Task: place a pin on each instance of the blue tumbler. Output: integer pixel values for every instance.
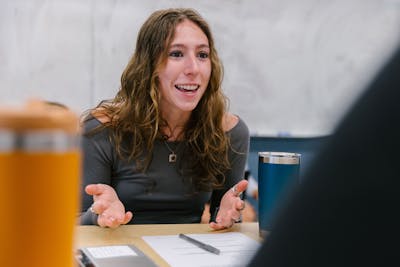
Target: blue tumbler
(278, 172)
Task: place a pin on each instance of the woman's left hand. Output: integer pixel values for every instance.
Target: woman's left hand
(230, 207)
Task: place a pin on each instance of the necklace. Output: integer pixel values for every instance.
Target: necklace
(172, 156)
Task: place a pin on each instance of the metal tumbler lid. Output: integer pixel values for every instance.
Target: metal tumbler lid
(279, 157)
(38, 115)
(38, 126)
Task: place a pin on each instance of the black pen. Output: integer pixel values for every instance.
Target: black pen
(200, 244)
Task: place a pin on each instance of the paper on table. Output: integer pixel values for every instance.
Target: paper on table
(112, 255)
(111, 251)
(236, 249)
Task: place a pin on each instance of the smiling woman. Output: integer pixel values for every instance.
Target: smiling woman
(184, 75)
(166, 144)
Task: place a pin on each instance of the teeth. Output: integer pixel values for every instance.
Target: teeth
(187, 87)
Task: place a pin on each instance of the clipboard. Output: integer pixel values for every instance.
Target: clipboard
(111, 256)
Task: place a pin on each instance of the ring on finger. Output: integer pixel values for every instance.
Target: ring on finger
(234, 190)
(239, 219)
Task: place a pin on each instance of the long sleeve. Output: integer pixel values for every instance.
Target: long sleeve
(239, 139)
(97, 155)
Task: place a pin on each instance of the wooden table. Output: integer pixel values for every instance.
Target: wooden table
(131, 234)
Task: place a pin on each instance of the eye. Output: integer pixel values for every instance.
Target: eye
(176, 54)
(203, 55)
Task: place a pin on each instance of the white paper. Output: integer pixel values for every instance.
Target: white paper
(111, 251)
(236, 249)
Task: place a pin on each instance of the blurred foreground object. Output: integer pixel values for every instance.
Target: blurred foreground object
(344, 212)
(39, 175)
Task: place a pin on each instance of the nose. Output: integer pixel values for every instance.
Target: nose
(191, 65)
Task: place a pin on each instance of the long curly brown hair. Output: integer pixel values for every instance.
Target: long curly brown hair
(135, 114)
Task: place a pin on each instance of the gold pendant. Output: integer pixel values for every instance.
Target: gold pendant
(172, 157)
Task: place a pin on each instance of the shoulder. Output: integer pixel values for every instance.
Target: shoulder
(236, 128)
(229, 121)
(238, 134)
(94, 119)
(232, 123)
(95, 137)
(101, 115)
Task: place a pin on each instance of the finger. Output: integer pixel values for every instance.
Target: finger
(241, 186)
(237, 217)
(105, 220)
(95, 189)
(220, 222)
(121, 218)
(128, 217)
(113, 222)
(240, 205)
(228, 219)
(101, 221)
(217, 226)
(98, 207)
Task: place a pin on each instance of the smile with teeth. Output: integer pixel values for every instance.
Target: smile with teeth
(187, 87)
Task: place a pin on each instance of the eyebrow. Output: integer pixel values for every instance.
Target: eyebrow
(182, 46)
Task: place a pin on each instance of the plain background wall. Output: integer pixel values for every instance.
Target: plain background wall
(291, 67)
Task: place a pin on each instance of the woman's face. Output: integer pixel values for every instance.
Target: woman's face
(185, 76)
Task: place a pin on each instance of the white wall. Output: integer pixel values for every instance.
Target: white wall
(290, 66)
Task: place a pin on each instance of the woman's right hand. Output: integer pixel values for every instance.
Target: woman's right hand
(110, 210)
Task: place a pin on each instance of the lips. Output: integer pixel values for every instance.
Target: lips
(187, 87)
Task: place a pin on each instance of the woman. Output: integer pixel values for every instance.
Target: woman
(165, 145)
